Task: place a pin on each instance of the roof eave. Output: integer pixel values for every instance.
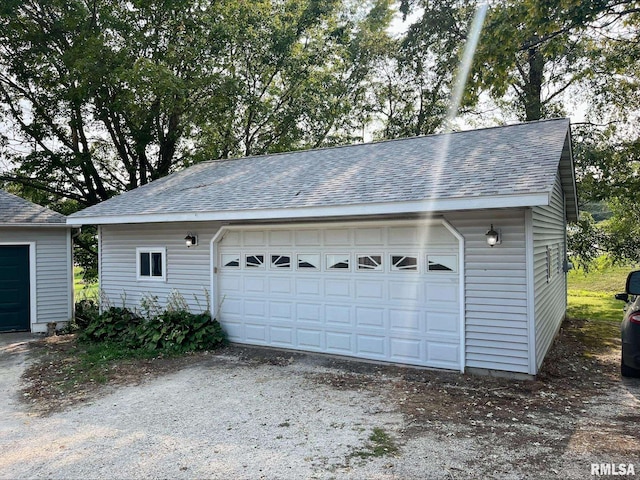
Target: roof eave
(386, 208)
(41, 225)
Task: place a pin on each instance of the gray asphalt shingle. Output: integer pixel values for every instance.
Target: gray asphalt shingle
(15, 210)
(511, 160)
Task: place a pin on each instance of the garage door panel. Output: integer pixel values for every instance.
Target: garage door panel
(280, 285)
(406, 350)
(442, 294)
(338, 315)
(443, 323)
(308, 287)
(254, 284)
(407, 291)
(370, 289)
(281, 336)
(255, 308)
(365, 308)
(307, 238)
(404, 320)
(443, 353)
(337, 288)
(309, 312)
(256, 333)
(340, 342)
(281, 238)
(281, 310)
(371, 346)
(370, 236)
(337, 237)
(308, 338)
(370, 317)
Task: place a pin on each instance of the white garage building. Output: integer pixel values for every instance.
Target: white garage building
(377, 251)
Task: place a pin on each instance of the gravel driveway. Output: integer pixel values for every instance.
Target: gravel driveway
(228, 416)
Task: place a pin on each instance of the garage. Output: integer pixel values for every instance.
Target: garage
(14, 288)
(36, 266)
(382, 291)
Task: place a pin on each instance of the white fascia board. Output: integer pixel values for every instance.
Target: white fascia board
(426, 206)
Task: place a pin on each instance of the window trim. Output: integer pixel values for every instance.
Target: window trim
(151, 250)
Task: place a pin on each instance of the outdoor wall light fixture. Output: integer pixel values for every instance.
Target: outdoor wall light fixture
(493, 237)
(191, 240)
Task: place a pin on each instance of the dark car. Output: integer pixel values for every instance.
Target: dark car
(630, 327)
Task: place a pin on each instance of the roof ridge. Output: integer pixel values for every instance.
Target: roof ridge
(378, 142)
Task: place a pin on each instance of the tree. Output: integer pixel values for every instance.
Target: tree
(103, 96)
(413, 84)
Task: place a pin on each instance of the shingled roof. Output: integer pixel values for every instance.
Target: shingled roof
(16, 211)
(495, 167)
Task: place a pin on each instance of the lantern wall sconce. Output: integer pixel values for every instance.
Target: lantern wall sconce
(191, 240)
(493, 236)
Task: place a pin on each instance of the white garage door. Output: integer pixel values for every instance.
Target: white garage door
(385, 292)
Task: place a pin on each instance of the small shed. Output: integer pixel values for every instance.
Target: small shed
(377, 251)
(36, 268)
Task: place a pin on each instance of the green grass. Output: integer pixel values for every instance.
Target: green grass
(82, 290)
(591, 294)
(380, 444)
(591, 298)
(93, 362)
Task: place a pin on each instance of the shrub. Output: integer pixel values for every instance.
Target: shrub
(171, 331)
(181, 331)
(114, 324)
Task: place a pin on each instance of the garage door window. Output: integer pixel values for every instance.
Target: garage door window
(441, 263)
(404, 262)
(281, 262)
(151, 263)
(337, 261)
(254, 261)
(370, 262)
(231, 260)
(308, 261)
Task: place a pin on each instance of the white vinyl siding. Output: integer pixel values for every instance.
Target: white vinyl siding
(497, 334)
(549, 235)
(186, 269)
(53, 271)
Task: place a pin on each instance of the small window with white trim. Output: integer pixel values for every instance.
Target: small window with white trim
(371, 263)
(549, 268)
(254, 261)
(308, 261)
(442, 263)
(151, 263)
(281, 262)
(337, 261)
(230, 260)
(404, 262)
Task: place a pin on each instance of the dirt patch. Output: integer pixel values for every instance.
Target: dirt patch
(50, 384)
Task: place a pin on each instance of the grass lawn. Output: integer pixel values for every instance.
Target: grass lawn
(591, 295)
(81, 290)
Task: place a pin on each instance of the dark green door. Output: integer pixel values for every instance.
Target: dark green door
(14, 288)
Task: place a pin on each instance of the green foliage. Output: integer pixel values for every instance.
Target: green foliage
(180, 331)
(115, 324)
(171, 331)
